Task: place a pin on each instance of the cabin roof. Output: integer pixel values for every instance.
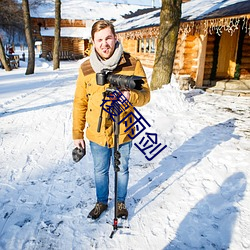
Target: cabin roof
(77, 32)
(208, 9)
(193, 10)
(140, 21)
(85, 10)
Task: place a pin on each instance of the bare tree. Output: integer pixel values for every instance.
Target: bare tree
(28, 33)
(11, 17)
(3, 57)
(36, 3)
(11, 24)
(56, 59)
(168, 34)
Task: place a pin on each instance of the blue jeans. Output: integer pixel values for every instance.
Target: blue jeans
(102, 158)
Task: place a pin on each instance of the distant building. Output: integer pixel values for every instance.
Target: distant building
(75, 36)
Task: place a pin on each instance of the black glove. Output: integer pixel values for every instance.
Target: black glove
(78, 153)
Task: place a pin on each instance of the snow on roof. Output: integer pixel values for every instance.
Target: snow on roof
(197, 9)
(145, 20)
(85, 10)
(79, 32)
(192, 10)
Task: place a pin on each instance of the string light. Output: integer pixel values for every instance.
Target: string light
(218, 25)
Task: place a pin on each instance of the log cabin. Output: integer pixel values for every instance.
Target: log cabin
(74, 37)
(213, 41)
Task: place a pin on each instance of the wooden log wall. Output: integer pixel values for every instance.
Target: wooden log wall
(79, 46)
(146, 59)
(186, 55)
(131, 46)
(178, 61)
(73, 45)
(47, 45)
(190, 56)
(66, 44)
(50, 22)
(245, 60)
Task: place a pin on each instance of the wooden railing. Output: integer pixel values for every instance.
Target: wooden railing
(64, 55)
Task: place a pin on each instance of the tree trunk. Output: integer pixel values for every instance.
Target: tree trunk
(28, 33)
(168, 34)
(56, 59)
(3, 57)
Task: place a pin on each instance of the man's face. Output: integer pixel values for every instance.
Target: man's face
(104, 42)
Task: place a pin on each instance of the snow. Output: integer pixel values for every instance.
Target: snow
(196, 9)
(145, 20)
(192, 10)
(84, 33)
(86, 10)
(193, 195)
(155, 3)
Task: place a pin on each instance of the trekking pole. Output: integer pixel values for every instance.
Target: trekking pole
(117, 156)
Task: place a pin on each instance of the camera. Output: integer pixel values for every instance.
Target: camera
(119, 81)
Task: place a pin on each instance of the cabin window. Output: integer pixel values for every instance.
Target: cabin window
(146, 45)
(152, 45)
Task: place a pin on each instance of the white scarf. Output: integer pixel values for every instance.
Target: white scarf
(98, 64)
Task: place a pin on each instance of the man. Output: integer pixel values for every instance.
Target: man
(107, 54)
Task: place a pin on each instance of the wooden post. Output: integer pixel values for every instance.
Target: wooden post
(201, 60)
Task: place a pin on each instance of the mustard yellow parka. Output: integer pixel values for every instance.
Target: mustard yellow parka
(89, 97)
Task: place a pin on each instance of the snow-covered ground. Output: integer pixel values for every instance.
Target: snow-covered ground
(193, 195)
